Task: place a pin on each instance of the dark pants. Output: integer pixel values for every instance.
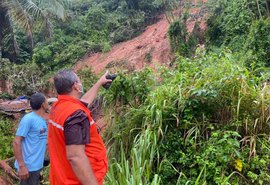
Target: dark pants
(33, 179)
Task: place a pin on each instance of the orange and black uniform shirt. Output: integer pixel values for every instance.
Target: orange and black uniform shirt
(71, 124)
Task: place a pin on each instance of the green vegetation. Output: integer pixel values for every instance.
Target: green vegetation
(207, 120)
(241, 26)
(60, 37)
(203, 121)
(25, 78)
(6, 137)
(181, 41)
(87, 77)
(208, 117)
(93, 27)
(27, 15)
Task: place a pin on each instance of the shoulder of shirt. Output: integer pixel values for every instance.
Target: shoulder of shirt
(27, 118)
(78, 112)
(31, 115)
(28, 115)
(76, 115)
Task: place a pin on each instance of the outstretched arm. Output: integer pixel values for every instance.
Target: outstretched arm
(91, 94)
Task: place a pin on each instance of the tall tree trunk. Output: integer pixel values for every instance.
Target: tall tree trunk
(2, 19)
(11, 50)
(267, 8)
(259, 10)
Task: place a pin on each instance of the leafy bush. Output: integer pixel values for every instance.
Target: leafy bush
(256, 168)
(88, 78)
(25, 78)
(257, 43)
(123, 99)
(181, 41)
(241, 26)
(6, 137)
(131, 90)
(195, 111)
(218, 156)
(178, 33)
(6, 96)
(229, 23)
(43, 55)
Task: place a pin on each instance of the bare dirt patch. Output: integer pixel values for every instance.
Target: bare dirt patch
(150, 49)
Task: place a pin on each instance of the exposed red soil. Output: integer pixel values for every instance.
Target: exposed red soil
(132, 54)
(148, 49)
(151, 48)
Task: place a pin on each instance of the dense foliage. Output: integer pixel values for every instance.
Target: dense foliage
(181, 41)
(205, 120)
(87, 27)
(28, 16)
(6, 137)
(242, 26)
(94, 26)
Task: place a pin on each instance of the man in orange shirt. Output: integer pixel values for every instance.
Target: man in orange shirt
(77, 152)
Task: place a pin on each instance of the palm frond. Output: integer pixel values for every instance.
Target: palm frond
(30, 7)
(16, 13)
(13, 41)
(56, 8)
(39, 13)
(24, 11)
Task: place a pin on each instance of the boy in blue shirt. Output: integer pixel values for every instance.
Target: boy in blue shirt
(29, 145)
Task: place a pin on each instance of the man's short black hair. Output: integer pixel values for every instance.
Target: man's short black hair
(64, 80)
(36, 100)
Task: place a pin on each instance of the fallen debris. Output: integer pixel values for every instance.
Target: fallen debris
(4, 181)
(19, 105)
(7, 169)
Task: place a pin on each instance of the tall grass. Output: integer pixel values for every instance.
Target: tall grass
(211, 93)
(136, 168)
